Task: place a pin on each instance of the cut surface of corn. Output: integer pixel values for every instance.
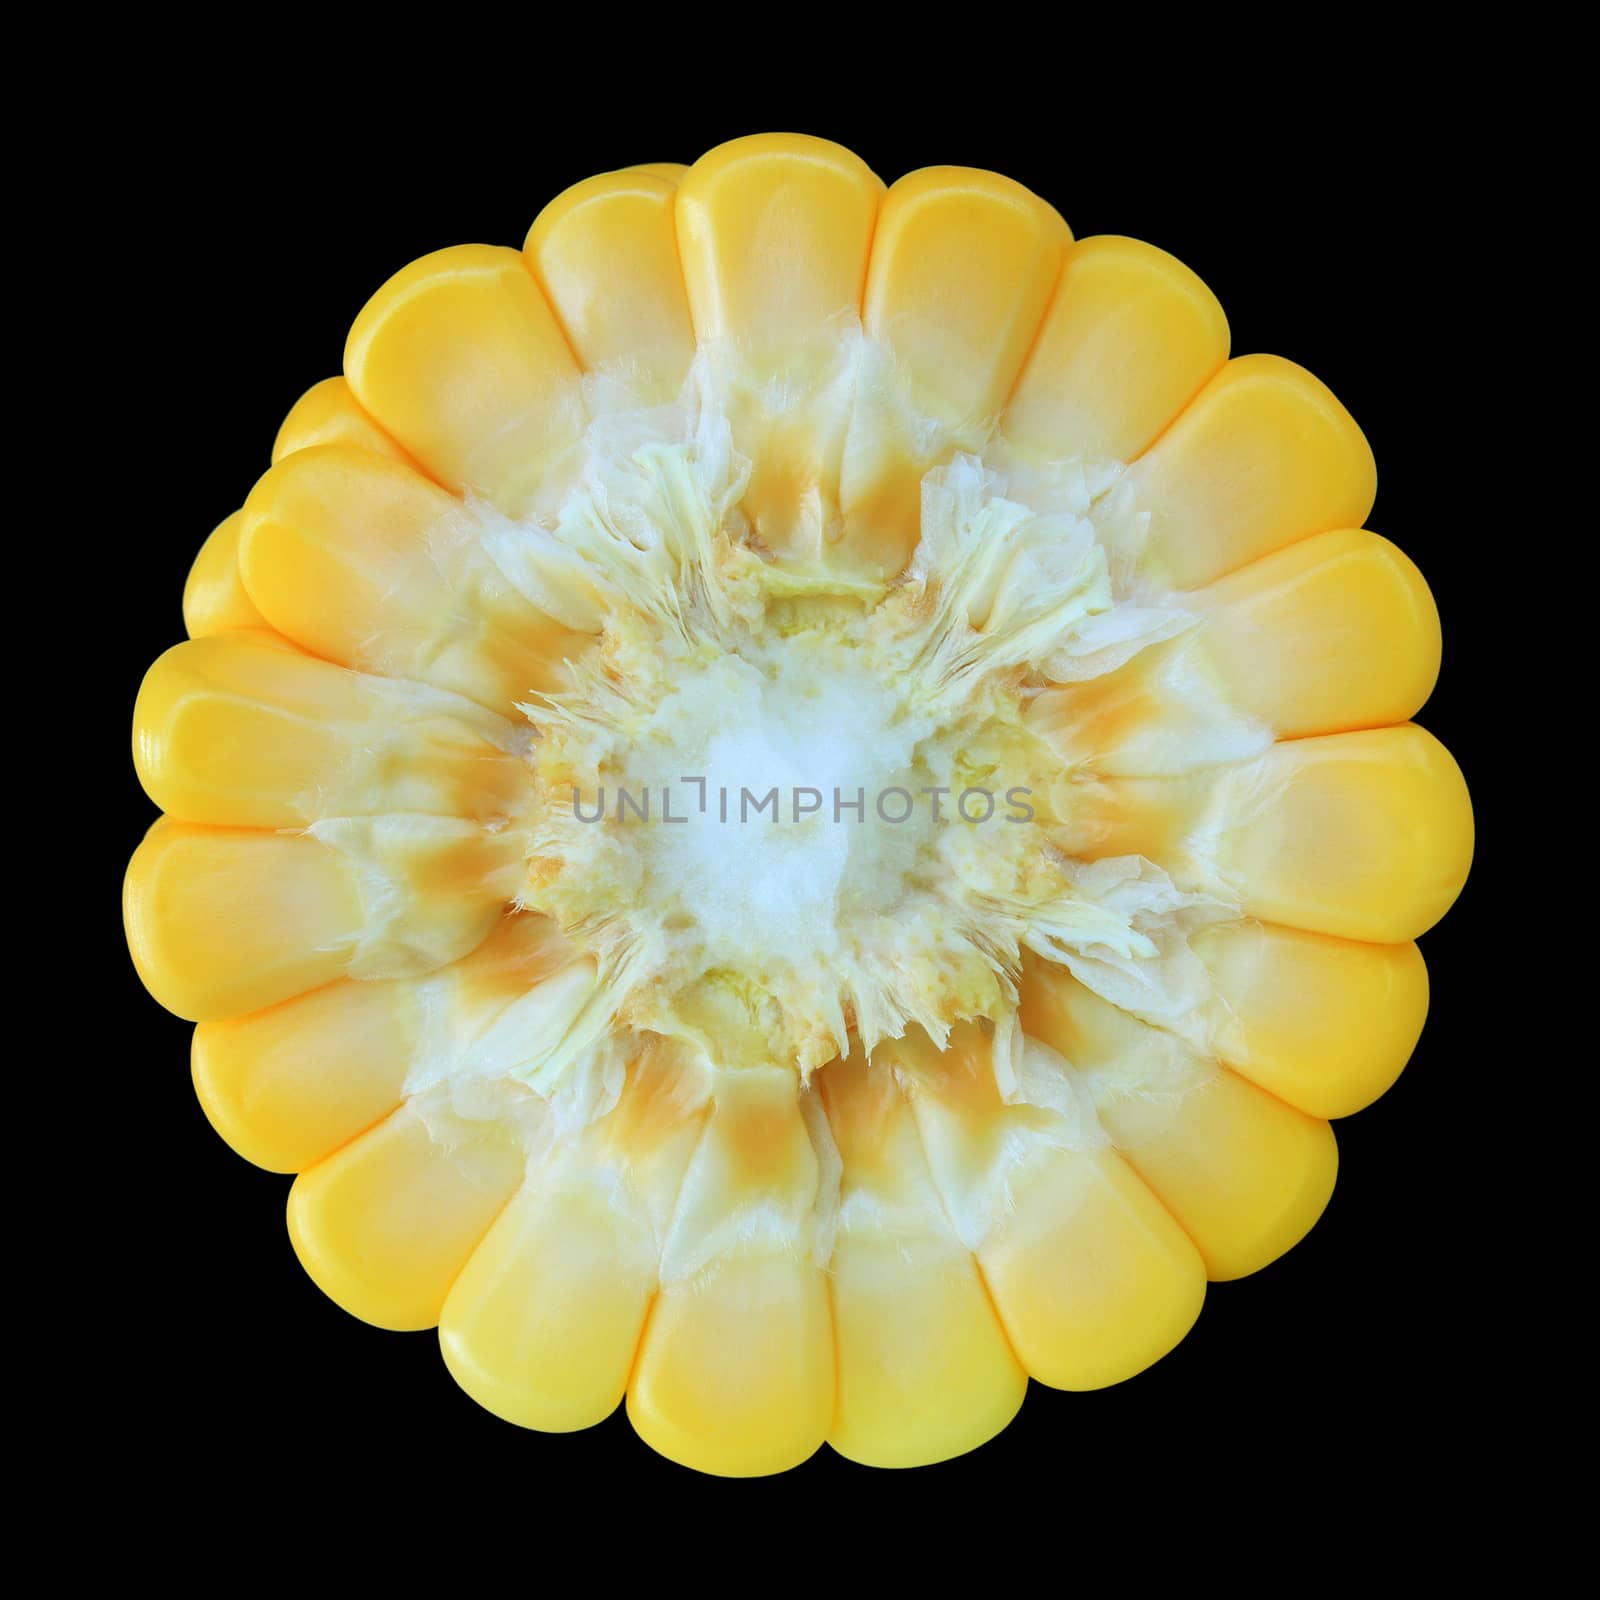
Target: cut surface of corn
(794, 806)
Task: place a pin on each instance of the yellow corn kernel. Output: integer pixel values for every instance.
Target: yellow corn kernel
(606, 255)
(1092, 1275)
(963, 265)
(1246, 1175)
(222, 921)
(364, 561)
(328, 413)
(1092, 1279)
(459, 357)
(774, 235)
(215, 599)
(735, 1375)
(1262, 456)
(243, 732)
(384, 1225)
(1337, 632)
(288, 1085)
(544, 1323)
(1325, 1024)
(1130, 337)
(227, 920)
(1363, 835)
(925, 1369)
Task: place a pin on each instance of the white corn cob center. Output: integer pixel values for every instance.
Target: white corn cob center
(773, 812)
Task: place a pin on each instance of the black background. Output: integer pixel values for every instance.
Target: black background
(1335, 239)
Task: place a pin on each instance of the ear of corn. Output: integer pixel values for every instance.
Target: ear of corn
(759, 473)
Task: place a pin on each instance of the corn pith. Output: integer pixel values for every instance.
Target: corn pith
(823, 1128)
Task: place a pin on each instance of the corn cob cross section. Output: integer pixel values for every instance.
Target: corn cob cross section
(795, 805)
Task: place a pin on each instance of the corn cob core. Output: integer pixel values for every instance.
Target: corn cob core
(760, 480)
(776, 813)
